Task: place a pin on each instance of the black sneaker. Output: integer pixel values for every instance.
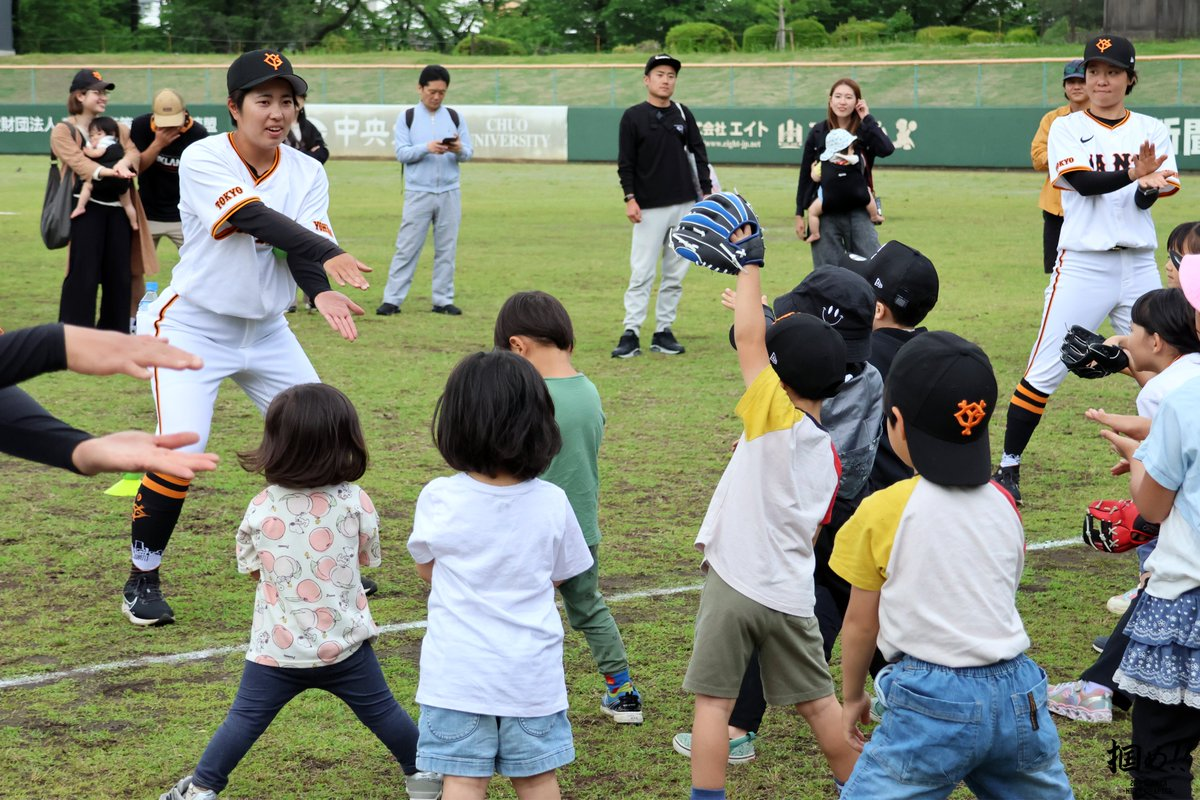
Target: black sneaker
(449, 308)
(1010, 479)
(664, 342)
(387, 309)
(370, 587)
(143, 602)
(1099, 643)
(628, 346)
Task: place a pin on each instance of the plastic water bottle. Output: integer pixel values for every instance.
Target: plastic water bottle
(145, 322)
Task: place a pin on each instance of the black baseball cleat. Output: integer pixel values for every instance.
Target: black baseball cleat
(1009, 479)
(450, 309)
(370, 587)
(142, 601)
(664, 342)
(387, 309)
(628, 346)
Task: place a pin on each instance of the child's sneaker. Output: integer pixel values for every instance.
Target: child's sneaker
(1119, 603)
(423, 786)
(184, 790)
(741, 749)
(1081, 700)
(624, 705)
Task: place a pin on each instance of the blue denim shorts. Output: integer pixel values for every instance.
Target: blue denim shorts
(479, 745)
(985, 726)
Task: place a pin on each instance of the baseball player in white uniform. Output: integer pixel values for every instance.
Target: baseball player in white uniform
(1111, 164)
(255, 222)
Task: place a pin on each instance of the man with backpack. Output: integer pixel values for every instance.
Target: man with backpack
(430, 140)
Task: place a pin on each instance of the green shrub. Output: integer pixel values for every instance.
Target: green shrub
(1058, 33)
(983, 37)
(759, 37)
(859, 32)
(943, 34)
(482, 45)
(700, 37)
(624, 49)
(1021, 36)
(809, 33)
(900, 24)
(648, 46)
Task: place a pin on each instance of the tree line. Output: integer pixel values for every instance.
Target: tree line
(540, 26)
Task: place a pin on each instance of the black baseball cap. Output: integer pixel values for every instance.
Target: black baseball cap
(946, 391)
(903, 278)
(1110, 49)
(259, 66)
(663, 60)
(87, 79)
(1073, 69)
(841, 298)
(808, 355)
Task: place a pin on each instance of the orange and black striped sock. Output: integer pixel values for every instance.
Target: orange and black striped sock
(1025, 411)
(155, 511)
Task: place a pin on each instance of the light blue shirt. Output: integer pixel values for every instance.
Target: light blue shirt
(424, 171)
(1171, 453)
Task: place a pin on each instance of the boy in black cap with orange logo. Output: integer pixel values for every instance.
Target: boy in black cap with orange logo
(934, 562)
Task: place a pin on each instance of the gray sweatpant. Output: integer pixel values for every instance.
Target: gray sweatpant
(444, 211)
(650, 240)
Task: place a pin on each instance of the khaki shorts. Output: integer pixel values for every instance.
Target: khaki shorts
(171, 230)
(730, 626)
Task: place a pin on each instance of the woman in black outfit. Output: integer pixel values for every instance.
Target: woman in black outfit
(101, 238)
(843, 230)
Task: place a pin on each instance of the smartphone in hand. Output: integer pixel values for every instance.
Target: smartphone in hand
(449, 140)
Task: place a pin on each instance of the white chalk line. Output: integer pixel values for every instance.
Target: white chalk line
(23, 681)
(216, 652)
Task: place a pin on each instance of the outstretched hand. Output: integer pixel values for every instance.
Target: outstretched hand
(339, 311)
(1146, 162)
(346, 269)
(136, 451)
(96, 352)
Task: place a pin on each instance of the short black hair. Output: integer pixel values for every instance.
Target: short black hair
(1184, 239)
(434, 72)
(106, 125)
(496, 416)
(311, 438)
(1168, 313)
(538, 315)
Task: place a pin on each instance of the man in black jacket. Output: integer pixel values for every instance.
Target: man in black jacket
(162, 136)
(663, 168)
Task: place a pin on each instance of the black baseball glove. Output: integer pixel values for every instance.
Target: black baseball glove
(704, 234)
(1086, 354)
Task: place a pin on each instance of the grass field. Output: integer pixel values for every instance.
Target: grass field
(614, 80)
(130, 732)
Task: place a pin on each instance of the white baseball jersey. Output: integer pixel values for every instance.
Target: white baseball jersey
(1078, 142)
(221, 269)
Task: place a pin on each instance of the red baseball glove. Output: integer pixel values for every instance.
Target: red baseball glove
(1114, 526)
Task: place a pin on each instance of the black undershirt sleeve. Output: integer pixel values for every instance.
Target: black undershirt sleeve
(32, 351)
(307, 251)
(1089, 183)
(1144, 200)
(30, 432)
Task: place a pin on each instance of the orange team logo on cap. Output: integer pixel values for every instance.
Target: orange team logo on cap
(1103, 44)
(273, 60)
(96, 75)
(969, 415)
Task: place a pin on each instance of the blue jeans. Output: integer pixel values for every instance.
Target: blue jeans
(987, 726)
(264, 691)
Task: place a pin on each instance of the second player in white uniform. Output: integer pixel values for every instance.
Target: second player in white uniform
(256, 221)
(1111, 164)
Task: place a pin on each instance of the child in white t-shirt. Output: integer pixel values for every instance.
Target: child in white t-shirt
(493, 541)
(302, 541)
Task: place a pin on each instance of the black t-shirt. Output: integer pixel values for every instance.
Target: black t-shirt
(158, 185)
(843, 187)
(651, 161)
(107, 190)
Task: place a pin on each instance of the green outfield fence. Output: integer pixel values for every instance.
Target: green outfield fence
(987, 83)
